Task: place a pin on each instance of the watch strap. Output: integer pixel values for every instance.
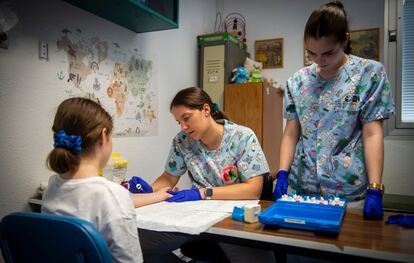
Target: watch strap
(377, 186)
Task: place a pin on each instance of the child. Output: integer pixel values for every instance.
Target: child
(83, 145)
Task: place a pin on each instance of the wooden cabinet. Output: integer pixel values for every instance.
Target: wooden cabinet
(260, 108)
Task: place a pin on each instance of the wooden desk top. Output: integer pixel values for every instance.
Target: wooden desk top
(373, 239)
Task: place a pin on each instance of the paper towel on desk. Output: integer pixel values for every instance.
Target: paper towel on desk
(191, 217)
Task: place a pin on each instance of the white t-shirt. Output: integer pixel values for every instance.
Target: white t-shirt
(103, 203)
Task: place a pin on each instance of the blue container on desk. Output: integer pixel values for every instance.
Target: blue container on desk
(308, 216)
(238, 214)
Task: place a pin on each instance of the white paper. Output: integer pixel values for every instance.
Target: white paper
(191, 217)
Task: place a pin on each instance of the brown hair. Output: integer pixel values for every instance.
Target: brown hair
(77, 116)
(329, 20)
(195, 98)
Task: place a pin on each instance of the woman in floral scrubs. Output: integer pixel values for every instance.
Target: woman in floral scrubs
(333, 144)
(224, 161)
(220, 155)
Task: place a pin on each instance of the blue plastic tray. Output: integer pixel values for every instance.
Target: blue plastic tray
(308, 216)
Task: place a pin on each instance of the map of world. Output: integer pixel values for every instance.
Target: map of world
(119, 78)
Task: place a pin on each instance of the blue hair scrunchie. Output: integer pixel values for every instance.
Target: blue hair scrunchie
(71, 142)
(215, 107)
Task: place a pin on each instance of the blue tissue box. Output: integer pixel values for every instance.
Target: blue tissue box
(317, 215)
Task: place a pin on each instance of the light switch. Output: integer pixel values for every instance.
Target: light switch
(43, 50)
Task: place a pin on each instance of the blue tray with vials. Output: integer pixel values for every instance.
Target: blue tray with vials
(305, 212)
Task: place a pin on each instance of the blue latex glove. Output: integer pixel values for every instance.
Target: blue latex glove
(281, 184)
(184, 195)
(373, 205)
(402, 220)
(138, 185)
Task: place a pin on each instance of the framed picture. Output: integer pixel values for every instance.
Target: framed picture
(306, 59)
(365, 43)
(269, 52)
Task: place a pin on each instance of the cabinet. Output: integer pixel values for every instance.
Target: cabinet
(137, 15)
(259, 107)
(219, 54)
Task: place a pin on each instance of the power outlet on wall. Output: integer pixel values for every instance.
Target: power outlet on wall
(43, 50)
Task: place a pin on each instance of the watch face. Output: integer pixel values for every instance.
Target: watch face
(209, 192)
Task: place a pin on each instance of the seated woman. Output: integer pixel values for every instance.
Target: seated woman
(224, 161)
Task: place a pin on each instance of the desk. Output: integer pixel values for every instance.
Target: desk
(358, 240)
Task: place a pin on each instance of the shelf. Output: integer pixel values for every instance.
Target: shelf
(155, 15)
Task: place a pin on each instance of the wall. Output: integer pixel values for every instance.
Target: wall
(30, 91)
(268, 19)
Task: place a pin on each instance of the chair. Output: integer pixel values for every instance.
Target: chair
(209, 250)
(267, 190)
(35, 237)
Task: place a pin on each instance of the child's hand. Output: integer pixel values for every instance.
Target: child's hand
(142, 199)
(164, 193)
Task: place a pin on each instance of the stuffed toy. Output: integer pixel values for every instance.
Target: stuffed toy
(273, 84)
(137, 185)
(240, 75)
(256, 76)
(250, 65)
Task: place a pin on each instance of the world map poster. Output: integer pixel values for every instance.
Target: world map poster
(119, 78)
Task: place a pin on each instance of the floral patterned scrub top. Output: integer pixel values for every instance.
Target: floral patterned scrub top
(239, 149)
(329, 157)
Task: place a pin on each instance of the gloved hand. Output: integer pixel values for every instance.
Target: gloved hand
(281, 184)
(402, 220)
(138, 185)
(184, 195)
(373, 205)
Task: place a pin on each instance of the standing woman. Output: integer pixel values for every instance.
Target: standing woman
(333, 141)
(224, 161)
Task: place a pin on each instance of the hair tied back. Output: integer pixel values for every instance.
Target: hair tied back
(70, 142)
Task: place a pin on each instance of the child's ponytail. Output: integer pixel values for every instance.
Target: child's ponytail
(76, 129)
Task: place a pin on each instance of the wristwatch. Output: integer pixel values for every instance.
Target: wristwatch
(377, 186)
(208, 193)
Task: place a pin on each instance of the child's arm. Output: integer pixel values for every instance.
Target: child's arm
(165, 180)
(150, 198)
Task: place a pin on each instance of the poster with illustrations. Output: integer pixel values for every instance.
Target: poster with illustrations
(119, 78)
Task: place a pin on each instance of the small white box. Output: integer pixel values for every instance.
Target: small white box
(251, 213)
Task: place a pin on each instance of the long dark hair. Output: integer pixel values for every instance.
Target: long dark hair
(78, 117)
(196, 98)
(329, 20)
